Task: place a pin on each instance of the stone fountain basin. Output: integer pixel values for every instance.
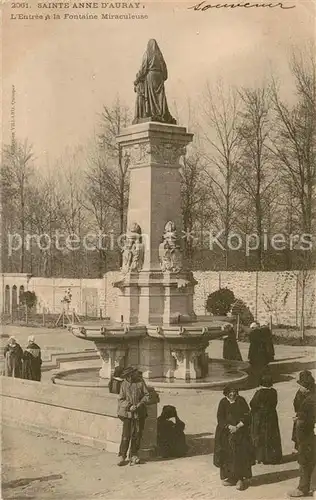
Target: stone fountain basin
(221, 372)
(98, 330)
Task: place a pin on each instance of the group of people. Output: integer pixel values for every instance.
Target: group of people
(133, 397)
(246, 435)
(19, 363)
(261, 349)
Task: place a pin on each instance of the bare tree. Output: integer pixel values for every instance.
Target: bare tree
(294, 146)
(99, 203)
(17, 169)
(255, 173)
(70, 206)
(222, 155)
(114, 165)
(194, 198)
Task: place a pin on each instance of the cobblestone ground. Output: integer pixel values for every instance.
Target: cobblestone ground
(39, 466)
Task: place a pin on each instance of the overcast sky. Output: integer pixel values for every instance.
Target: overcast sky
(64, 71)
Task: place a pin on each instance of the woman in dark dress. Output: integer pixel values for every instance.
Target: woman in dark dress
(268, 337)
(233, 451)
(13, 354)
(151, 102)
(170, 435)
(265, 430)
(32, 361)
(230, 348)
(306, 383)
(259, 354)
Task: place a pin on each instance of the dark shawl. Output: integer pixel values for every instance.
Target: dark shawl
(13, 360)
(230, 348)
(32, 362)
(233, 453)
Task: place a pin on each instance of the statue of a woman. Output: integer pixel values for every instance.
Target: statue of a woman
(151, 102)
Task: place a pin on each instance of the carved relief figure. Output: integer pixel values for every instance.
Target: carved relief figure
(133, 251)
(170, 255)
(151, 102)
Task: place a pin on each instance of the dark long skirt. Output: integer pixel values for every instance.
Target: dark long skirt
(231, 350)
(31, 369)
(233, 453)
(266, 436)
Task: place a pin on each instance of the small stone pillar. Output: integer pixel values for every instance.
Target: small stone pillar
(188, 361)
(112, 355)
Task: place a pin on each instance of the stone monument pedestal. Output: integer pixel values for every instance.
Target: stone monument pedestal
(155, 327)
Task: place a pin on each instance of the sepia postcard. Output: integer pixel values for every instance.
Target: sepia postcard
(157, 295)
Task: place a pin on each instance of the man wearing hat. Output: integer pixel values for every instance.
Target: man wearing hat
(304, 434)
(133, 412)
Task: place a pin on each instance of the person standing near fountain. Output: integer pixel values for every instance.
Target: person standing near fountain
(13, 354)
(233, 450)
(265, 429)
(230, 348)
(306, 383)
(133, 412)
(259, 354)
(32, 360)
(305, 437)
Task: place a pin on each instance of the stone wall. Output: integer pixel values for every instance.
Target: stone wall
(276, 294)
(88, 295)
(84, 415)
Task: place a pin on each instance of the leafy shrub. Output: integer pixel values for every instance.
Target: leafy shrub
(28, 298)
(245, 315)
(219, 302)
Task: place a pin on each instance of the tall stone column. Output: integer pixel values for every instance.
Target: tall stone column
(150, 295)
(154, 150)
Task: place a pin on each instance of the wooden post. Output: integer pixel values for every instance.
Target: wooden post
(296, 301)
(26, 316)
(238, 326)
(73, 316)
(270, 323)
(256, 298)
(86, 309)
(43, 316)
(100, 313)
(302, 321)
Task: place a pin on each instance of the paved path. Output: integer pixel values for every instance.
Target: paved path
(42, 467)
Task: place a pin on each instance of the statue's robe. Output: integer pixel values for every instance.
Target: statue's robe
(151, 102)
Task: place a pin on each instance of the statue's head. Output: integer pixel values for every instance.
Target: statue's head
(170, 227)
(152, 45)
(134, 228)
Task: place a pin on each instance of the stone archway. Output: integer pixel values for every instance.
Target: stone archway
(14, 298)
(7, 301)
